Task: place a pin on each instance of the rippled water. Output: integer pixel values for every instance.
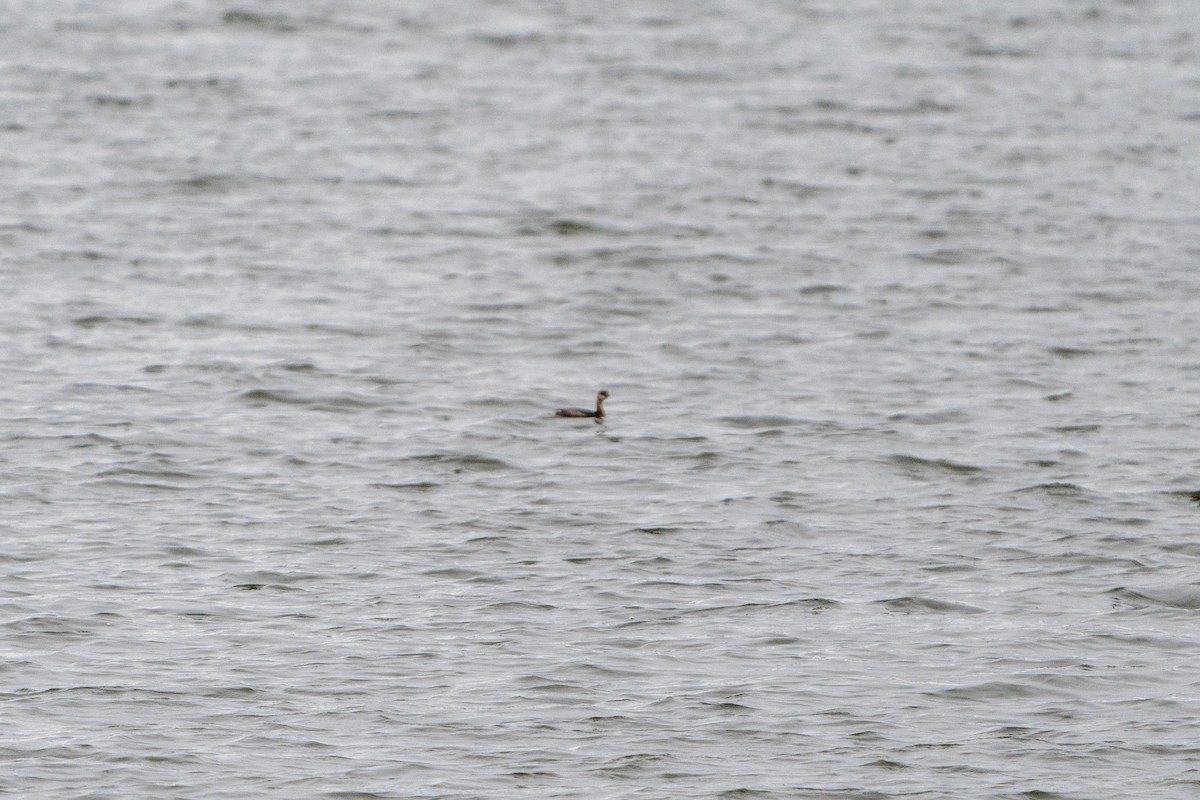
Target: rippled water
(895, 302)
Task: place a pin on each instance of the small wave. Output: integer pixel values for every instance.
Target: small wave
(911, 605)
(207, 184)
(251, 19)
(822, 289)
(922, 106)
(789, 497)
(1054, 488)
(118, 101)
(73, 440)
(162, 474)
(1186, 597)
(1087, 428)
(751, 421)
(419, 486)
(184, 551)
(1071, 352)
(98, 320)
(140, 485)
(453, 573)
(980, 49)
(798, 189)
(568, 227)
(947, 256)
(988, 692)
(506, 41)
(93, 388)
(271, 579)
(933, 417)
(916, 464)
(463, 461)
(262, 397)
(813, 605)
(1190, 494)
(208, 82)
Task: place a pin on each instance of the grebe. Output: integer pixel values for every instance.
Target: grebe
(598, 414)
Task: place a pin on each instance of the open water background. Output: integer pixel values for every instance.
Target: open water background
(896, 302)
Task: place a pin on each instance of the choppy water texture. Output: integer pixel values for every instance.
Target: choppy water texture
(896, 302)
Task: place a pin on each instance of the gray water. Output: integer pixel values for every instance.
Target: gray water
(895, 300)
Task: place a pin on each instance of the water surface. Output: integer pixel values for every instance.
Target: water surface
(894, 301)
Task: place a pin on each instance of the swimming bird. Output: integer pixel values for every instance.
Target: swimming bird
(598, 414)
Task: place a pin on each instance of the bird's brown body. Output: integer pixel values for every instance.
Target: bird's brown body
(597, 415)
